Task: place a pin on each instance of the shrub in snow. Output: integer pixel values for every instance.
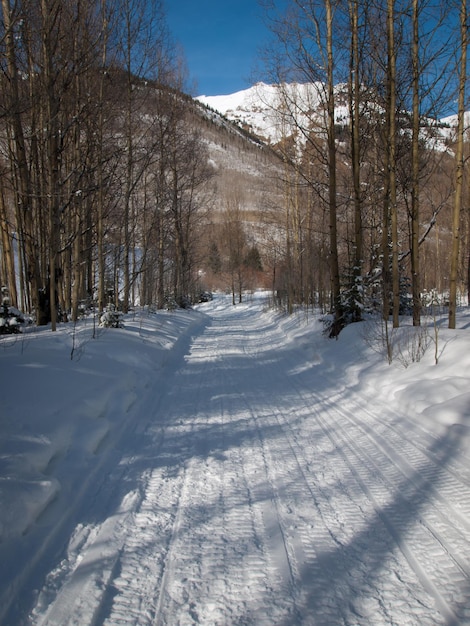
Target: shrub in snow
(205, 296)
(10, 318)
(111, 318)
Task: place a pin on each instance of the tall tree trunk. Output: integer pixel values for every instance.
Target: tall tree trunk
(100, 229)
(50, 10)
(354, 107)
(459, 168)
(289, 262)
(8, 253)
(392, 99)
(129, 177)
(161, 259)
(468, 248)
(415, 269)
(332, 203)
(20, 164)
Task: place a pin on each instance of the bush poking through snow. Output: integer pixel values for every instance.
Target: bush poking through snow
(10, 318)
(111, 318)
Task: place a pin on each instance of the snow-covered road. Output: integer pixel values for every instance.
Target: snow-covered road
(257, 486)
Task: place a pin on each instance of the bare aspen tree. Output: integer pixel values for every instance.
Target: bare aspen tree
(428, 68)
(415, 186)
(8, 256)
(332, 189)
(133, 17)
(50, 24)
(354, 114)
(100, 224)
(19, 158)
(468, 249)
(392, 143)
(287, 148)
(81, 158)
(188, 171)
(459, 167)
(235, 243)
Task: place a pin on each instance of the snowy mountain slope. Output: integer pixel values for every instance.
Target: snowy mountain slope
(229, 465)
(242, 164)
(258, 108)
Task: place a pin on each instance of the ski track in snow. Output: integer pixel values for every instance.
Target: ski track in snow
(259, 491)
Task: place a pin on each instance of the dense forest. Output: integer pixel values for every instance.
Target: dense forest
(99, 164)
(109, 194)
(381, 183)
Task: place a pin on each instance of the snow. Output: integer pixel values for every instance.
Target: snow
(259, 107)
(230, 465)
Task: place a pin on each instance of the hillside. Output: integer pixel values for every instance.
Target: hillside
(256, 109)
(292, 121)
(243, 164)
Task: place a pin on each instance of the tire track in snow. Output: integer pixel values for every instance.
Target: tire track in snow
(146, 561)
(311, 524)
(311, 527)
(323, 544)
(434, 548)
(134, 588)
(281, 508)
(304, 532)
(406, 457)
(428, 585)
(437, 564)
(79, 591)
(197, 573)
(392, 513)
(229, 575)
(260, 495)
(409, 434)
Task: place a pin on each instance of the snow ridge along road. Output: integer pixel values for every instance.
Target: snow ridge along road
(254, 486)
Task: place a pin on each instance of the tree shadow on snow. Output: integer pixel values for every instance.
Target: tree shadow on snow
(208, 406)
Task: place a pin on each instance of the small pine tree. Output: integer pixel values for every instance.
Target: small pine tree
(215, 262)
(253, 259)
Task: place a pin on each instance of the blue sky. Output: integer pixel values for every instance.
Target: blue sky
(220, 40)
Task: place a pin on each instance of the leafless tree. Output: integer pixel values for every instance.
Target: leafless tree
(459, 165)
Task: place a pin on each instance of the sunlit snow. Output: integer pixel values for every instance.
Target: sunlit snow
(231, 465)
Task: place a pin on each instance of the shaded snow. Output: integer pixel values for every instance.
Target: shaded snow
(230, 465)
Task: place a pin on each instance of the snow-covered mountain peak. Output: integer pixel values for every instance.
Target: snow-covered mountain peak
(264, 96)
(259, 108)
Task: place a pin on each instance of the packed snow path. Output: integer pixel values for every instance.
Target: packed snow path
(258, 489)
